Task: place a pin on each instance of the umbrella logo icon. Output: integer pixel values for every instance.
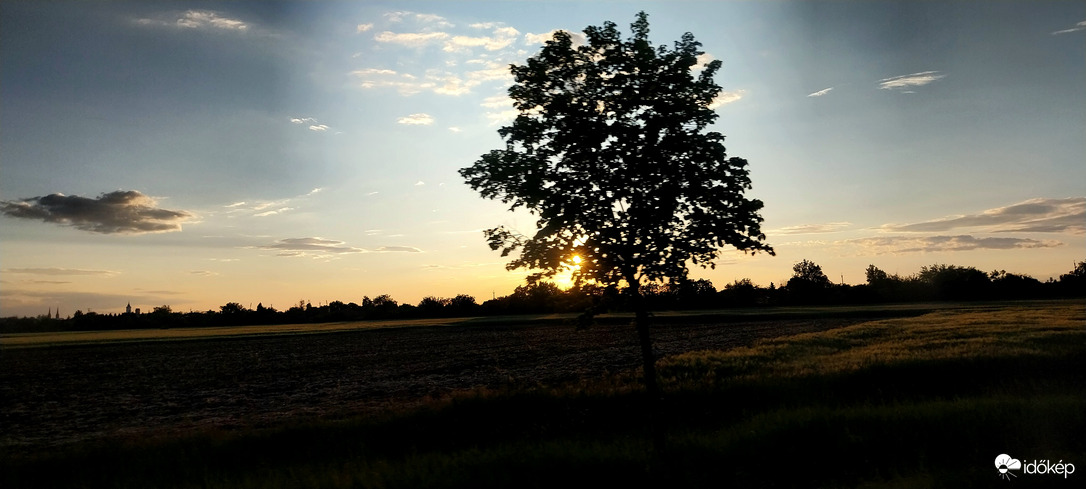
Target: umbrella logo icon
(1004, 464)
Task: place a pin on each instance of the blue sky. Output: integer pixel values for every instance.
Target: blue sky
(276, 152)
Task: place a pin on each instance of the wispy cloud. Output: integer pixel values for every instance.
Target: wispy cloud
(1030, 216)
(54, 271)
(265, 208)
(725, 98)
(375, 72)
(820, 92)
(410, 39)
(929, 244)
(405, 83)
(311, 123)
(830, 227)
(450, 84)
(205, 20)
(453, 74)
(419, 119)
(274, 212)
(1078, 27)
(501, 37)
(903, 82)
(433, 80)
(201, 19)
(363, 27)
(535, 39)
(492, 72)
(428, 20)
(310, 246)
(398, 249)
(501, 117)
(433, 20)
(119, 212)
(317, 247)
(396, 17)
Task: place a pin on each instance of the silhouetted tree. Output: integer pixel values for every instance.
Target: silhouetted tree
(535, 297)
(432, 306)
(882, 286)
(231, 309)
(695, 294)
(384, 306)
(462, 305)
(611, 152)
(808, 272)
(951, 282)
(162, 317)
(1014, 286)
(741, 292)
(875, 276)
(1074, 283)
(808, 284)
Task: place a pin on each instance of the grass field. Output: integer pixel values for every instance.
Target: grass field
(927, 400)
(55, 338)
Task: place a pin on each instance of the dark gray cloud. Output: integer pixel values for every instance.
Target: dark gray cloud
(1032, 216)
(119, 212)
(916, 244)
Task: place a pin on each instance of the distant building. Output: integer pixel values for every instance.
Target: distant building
(128, 308)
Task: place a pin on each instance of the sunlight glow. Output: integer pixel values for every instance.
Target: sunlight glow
(564, 280)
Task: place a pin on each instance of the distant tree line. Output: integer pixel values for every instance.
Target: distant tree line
(807, 286)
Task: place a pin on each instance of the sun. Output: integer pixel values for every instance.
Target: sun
(564, 280)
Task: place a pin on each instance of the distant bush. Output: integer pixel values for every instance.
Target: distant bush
(809, 285)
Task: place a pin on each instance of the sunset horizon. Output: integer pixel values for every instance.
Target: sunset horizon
(159, 153)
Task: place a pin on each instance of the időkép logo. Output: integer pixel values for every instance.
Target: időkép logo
(1007, 466)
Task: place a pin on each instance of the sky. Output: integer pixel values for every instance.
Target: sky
(198, 153)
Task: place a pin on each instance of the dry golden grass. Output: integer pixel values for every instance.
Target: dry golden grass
(950, 334)
(803, 400)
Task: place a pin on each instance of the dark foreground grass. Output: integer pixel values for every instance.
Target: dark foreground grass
(911, 402)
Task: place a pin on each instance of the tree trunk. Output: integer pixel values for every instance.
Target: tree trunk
(648, 362)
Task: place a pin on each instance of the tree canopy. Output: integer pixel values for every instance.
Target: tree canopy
(809, 274)
(612, 152)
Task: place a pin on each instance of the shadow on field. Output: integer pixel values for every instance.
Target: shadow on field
(814, 410)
